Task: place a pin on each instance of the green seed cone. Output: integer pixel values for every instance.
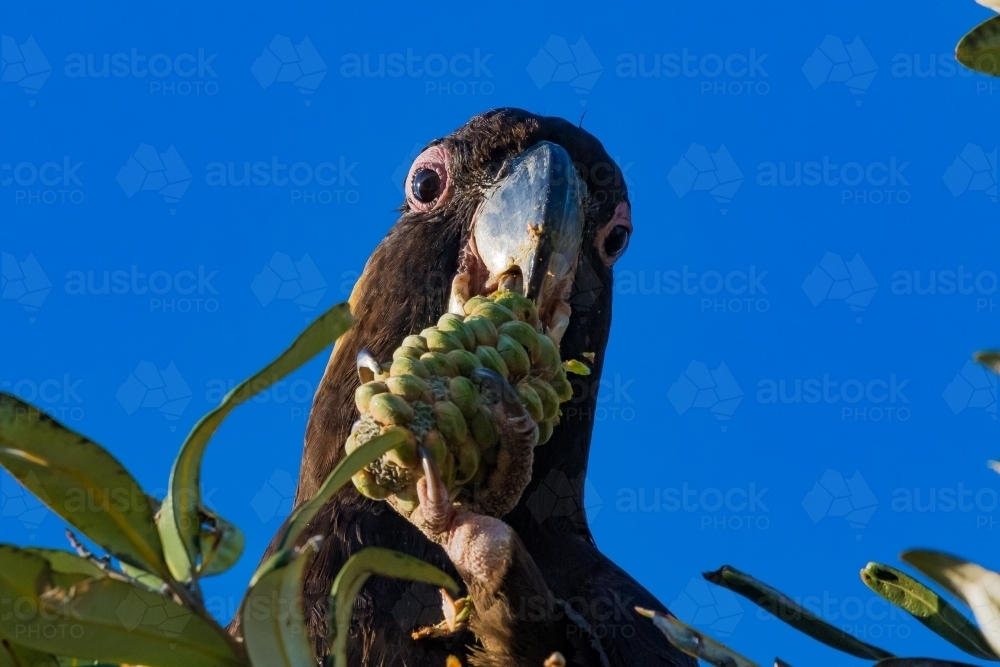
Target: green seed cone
(439, 364)
(440, 341)
(474, 303)
(409, 387)
(533, 404)
(548, 396)
(417, 342)
(405, 455)
(520, 305)
(436, 446)
(492, 360)
(484, 330)
(514, 356)
(564, 390)
(454, 325)
(363, 394)
(450, 422)
(465, 395)
(465, 360)
(407, 366)
(495, 313)
(467, 461)
(406, 351)
(364, 482)
(524, 334)
(545, 431)
(482, 428)
(388, 409)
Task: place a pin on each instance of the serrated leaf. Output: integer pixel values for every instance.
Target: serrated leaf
(792, 613)
(694, 643)
(989, 359)
(354, 573)
(980, 48)
(274, 623)
(973, 584)
(927, 607)
(184, 491)
(341, 475)
(105, 619)
(81, 482)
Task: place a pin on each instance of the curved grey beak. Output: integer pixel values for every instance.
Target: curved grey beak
(529, 229)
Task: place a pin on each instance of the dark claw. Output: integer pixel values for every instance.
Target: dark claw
(368, 366)
(495, 388)
(434, 482)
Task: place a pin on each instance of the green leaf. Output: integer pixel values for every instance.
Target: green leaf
(105, 619)
(274, 623)
(221, 545)
(927, 607)
(150, 581)
(980, 48)
(67, 562)
(989, 359)
(354, 573)
(81, 482)
(787, 610)
(576, 367)
(184, 492)
(694, 643)
(13, 654)
(972, 584)
(341, 475)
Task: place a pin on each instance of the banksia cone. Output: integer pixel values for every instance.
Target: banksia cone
(426, 391)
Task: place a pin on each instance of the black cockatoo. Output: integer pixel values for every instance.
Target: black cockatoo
(535, 204)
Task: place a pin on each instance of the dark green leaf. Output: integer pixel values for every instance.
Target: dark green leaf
(184, 493)
(81, 482)
(354, 573)
(787, 610)
(927, 607)
(972, 584)
(694, 643)
(67, 562)
(274, 623)
(13, 654)
(221, 545)
(980, 48)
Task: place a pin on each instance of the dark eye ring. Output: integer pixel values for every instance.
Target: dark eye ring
(616, 241)
(426, 185)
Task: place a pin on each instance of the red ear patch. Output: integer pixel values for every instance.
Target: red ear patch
(612, 239)
(428, 184)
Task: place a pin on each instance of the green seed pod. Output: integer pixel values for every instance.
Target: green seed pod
(544, 431)
(417, 342)
(467, 461)
(464, 394)
(405, 455)
(363, 394)
(407, 500)
(406, 351)
(351, 443)
(548, 396)
(492, 360)
(454, 325)
(473, 303)
(547, 363)
(524, 334)
(436, 446)
(388, 409)
(564, 390)
(407, 366)
(495, 313)
(448, 471)
(522, 307)
(450, 421)
(532, 403)
(514, 356)
(484, 330)
(364, 482)
(483, 430)
(441, 341)
(408, 386)
(439, 364)
(465, 360)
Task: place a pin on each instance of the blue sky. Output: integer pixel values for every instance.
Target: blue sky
(787, 388)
